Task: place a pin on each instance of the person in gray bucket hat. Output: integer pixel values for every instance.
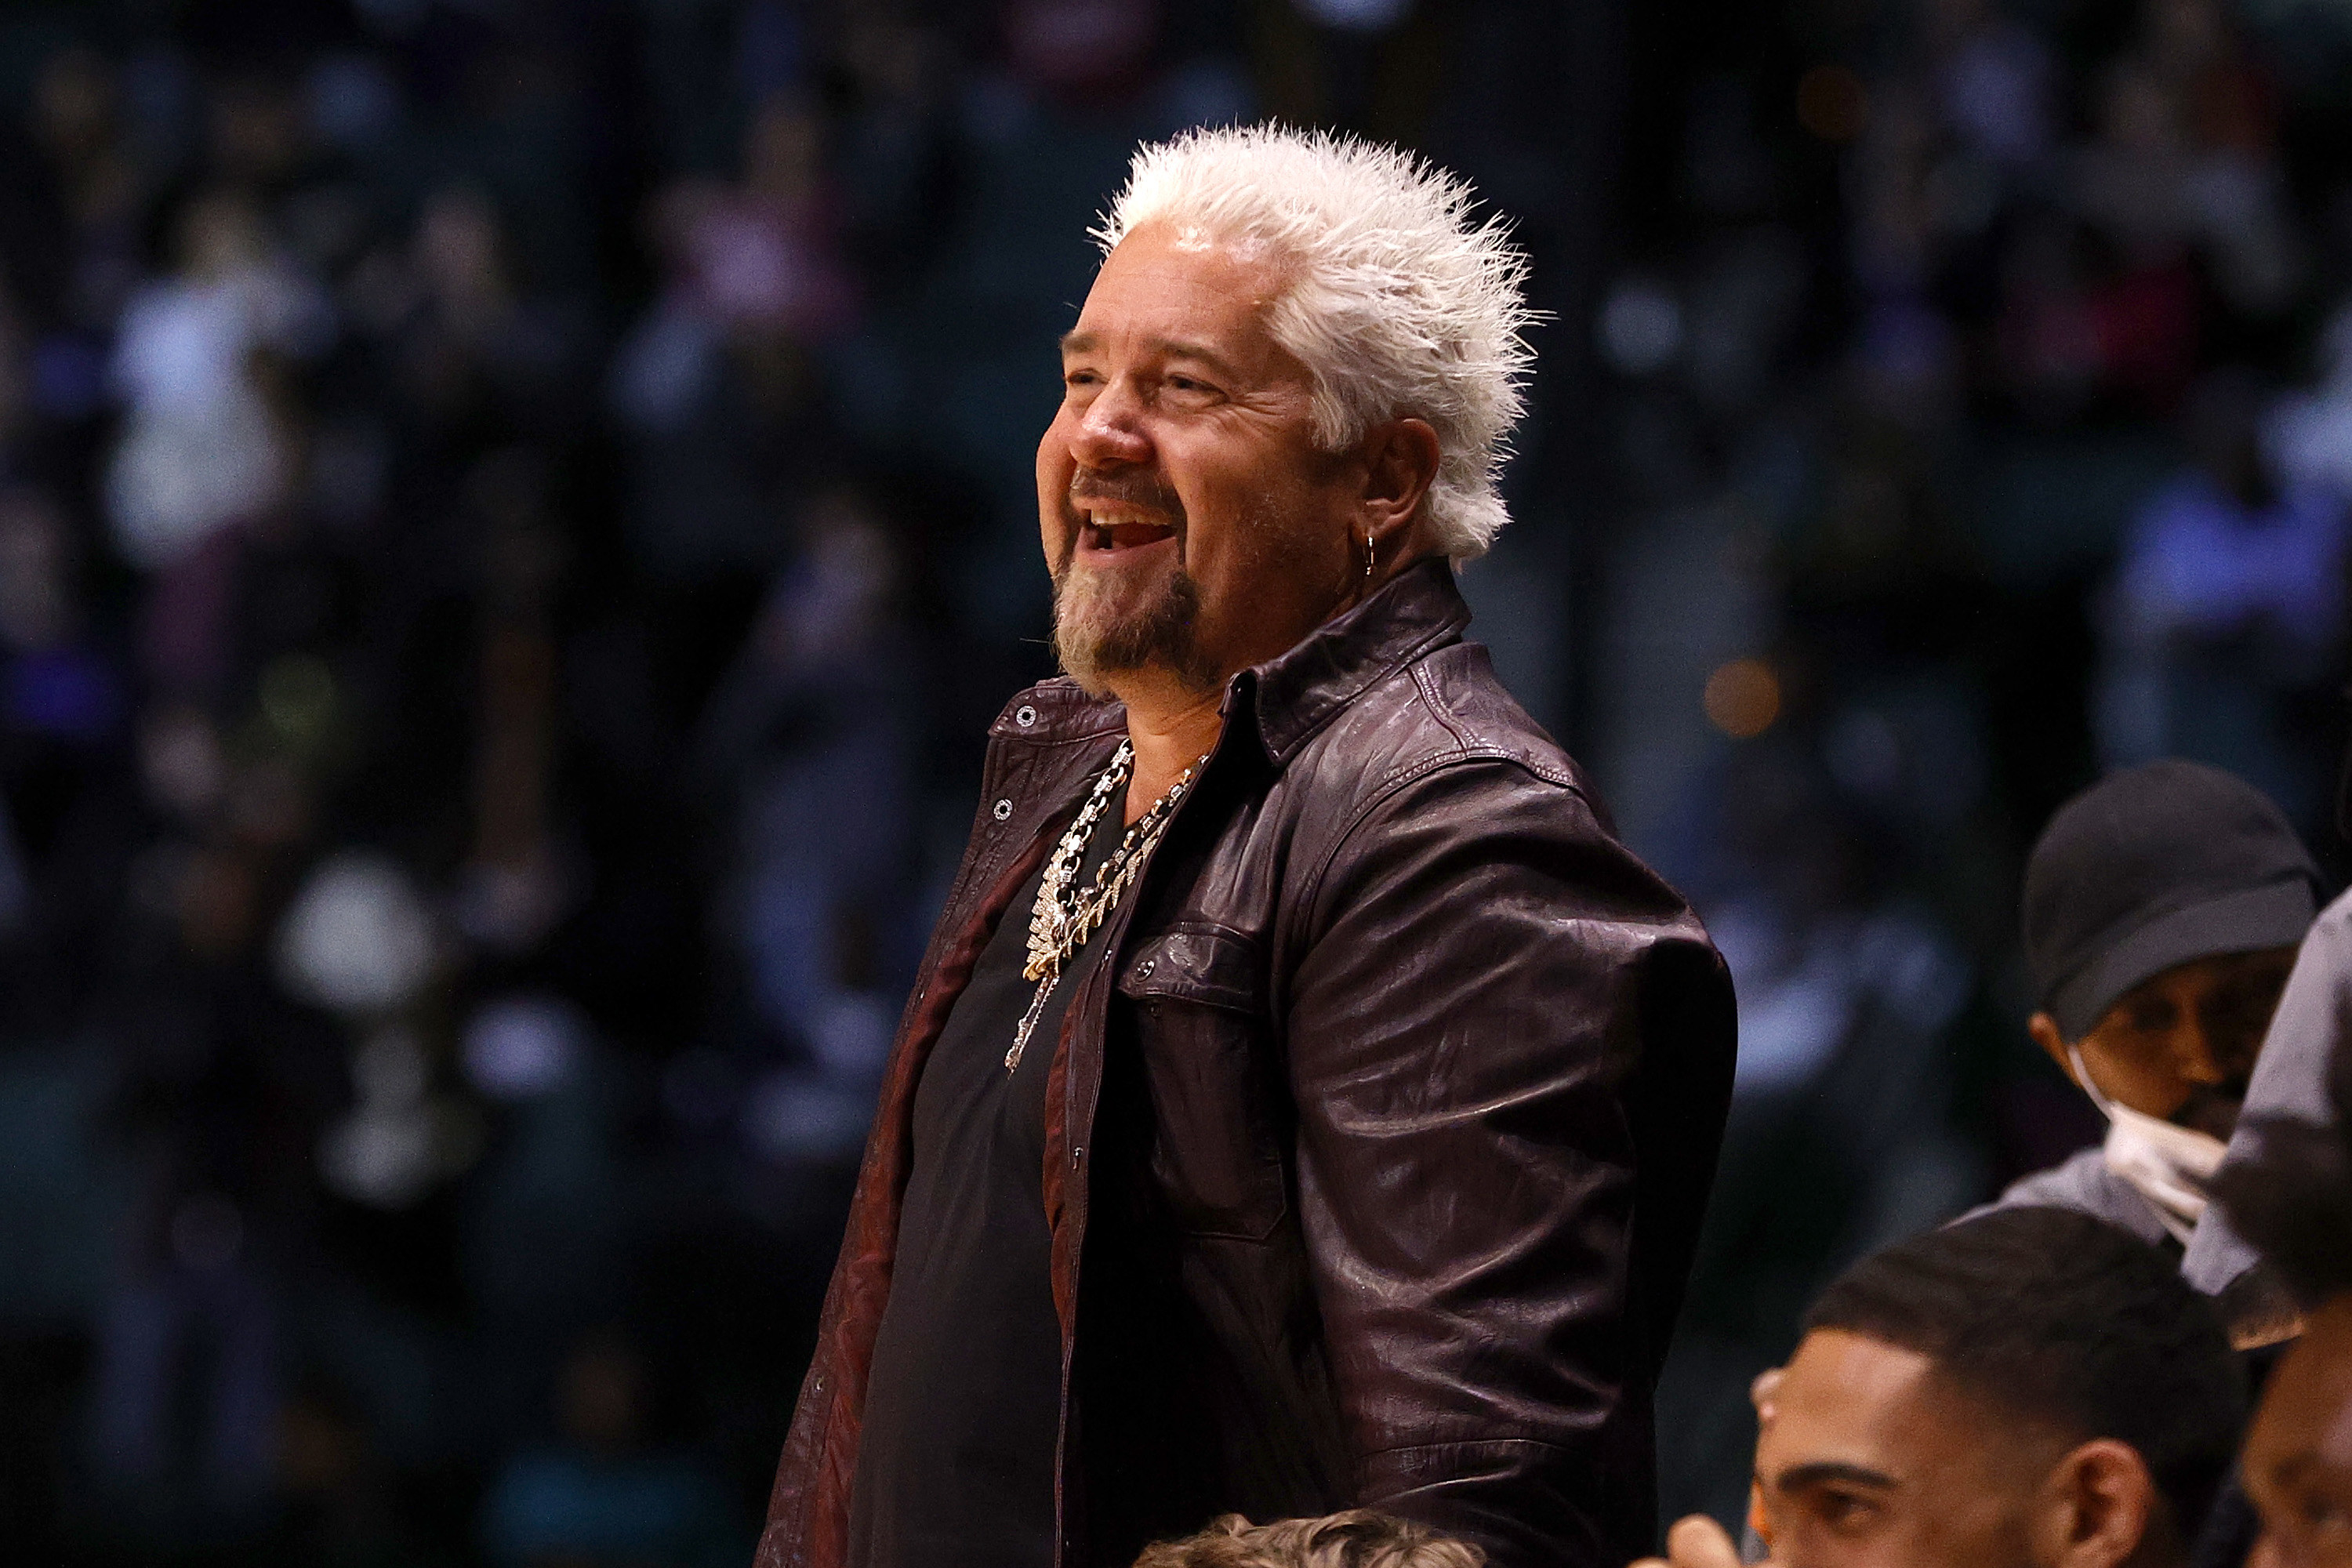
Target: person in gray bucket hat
(2162, 910)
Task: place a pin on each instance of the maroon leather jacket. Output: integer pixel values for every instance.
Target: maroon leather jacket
(1376, 1144)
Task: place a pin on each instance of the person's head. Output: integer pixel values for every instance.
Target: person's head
(2162, 910)
(220, 235)
(1356, 1538)
(1293, 375)
(2292, 1202)
(2030, 1389)
(601, 1394)
(2222, 423)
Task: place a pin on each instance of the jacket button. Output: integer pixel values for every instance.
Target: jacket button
(1024, 715)
(1003, 810)
(1143, 971)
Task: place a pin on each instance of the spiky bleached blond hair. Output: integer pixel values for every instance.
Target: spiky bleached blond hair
(1401, 303)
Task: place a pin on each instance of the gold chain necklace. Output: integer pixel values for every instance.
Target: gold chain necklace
(1065, 916)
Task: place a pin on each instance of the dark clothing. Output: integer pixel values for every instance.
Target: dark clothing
(955, 1468)
(1377, 1143)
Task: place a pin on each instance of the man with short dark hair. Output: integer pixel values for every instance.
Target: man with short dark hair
(2031, 1388)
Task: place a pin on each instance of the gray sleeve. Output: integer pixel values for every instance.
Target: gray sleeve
(2085, 1184)
(2290, 1079)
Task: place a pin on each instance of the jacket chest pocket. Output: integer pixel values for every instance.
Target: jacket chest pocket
(1201, 1023)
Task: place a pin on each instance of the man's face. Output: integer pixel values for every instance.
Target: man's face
(2181, 1046)
(1871, 1460)
(1191, 524)
(2298, 1459)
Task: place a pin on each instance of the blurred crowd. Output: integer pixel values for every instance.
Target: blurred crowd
(514, 519)
(485, 680)
(1980, 414)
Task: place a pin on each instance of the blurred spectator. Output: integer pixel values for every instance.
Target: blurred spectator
(514, 887)
(341, 1510)
(2227, 605)
(224, 1084)
(603, 1497)
(201, 445)
(894, 158)
(809, 731)
(66, 804)
(73, 249)
(2307, 436)
(473, 358)
(719, 385)
(763, 256)
(2162, 908)
(1994, 80)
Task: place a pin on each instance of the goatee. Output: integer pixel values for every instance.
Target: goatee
(1095, 640)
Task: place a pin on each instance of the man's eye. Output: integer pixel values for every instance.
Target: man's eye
(2244, 1009)
(1187, 383)
(1845, 1512)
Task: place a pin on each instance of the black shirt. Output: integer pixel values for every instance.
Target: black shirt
(955, 1462)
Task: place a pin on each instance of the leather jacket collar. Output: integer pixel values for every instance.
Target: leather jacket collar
(1295, 694)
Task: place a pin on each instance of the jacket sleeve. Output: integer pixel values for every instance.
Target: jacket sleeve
(1510, 1047)
(2290, 1079)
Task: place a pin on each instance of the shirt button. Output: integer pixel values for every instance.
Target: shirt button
(1003, 810)
(1024, 715)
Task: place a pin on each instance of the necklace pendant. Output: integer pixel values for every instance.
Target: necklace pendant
(1029, 1020)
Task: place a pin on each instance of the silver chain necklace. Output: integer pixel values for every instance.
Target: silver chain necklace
(1065, 915)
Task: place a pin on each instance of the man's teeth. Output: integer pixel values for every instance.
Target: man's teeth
(1115, 532)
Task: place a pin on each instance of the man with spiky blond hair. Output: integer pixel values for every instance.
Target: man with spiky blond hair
(1305, 1102)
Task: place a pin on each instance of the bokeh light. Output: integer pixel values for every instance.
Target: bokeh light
(1742, 698)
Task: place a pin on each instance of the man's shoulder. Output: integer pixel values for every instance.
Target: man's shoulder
(2085, 1184)
(1445, 713)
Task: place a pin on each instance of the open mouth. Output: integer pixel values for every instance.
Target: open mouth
(1116, 535)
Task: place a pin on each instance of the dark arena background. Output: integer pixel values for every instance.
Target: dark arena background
(516, 514)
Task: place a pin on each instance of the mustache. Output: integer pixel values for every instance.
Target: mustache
(2212, 1108)
(1149, 492)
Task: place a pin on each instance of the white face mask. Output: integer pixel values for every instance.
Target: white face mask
(2170, 1166)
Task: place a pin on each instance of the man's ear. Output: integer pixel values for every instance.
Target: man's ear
(1400, 465)
(2045, 1030)
(2099, 1509)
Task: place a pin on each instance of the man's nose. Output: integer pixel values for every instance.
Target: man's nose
(2195, 1056)
(1109, 430)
